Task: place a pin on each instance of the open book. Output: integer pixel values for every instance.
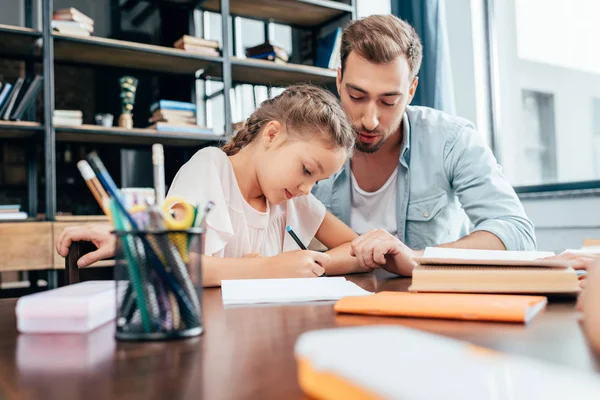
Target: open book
(492, 271)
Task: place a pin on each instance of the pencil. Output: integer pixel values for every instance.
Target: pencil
(92, 183)
(297, 240)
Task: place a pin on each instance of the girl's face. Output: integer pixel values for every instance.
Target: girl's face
(290, 166)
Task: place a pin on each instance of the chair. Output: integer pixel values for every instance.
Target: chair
(76, 251)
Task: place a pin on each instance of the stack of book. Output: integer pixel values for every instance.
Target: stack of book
(67, 117)
(175, 116)
(267, 51)
(11, 212)
(198, 45)
(72, 22)
(16, 98)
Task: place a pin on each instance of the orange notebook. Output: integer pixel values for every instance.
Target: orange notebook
(476, 307)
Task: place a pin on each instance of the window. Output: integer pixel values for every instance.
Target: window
(547, 98)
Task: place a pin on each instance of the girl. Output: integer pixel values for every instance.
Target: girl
(261, 182)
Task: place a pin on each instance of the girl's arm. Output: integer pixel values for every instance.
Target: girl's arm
(337, 236)
(291, 264)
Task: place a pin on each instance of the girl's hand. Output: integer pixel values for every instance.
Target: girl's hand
(582, 262)
(98, 234)
(297, 264)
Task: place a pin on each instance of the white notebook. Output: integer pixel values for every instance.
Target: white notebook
(448, 256)
(254, 291)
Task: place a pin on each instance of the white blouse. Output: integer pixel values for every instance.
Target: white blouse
(234, 227)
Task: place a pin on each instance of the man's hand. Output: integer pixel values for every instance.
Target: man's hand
(99, 234)
(378, 248)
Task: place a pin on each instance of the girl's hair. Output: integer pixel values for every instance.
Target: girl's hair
(300, 108)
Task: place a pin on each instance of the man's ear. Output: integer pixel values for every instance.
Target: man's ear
(413, 89)
(338, 80)
(272, 133)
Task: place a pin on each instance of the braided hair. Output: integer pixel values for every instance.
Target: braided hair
(300, 108)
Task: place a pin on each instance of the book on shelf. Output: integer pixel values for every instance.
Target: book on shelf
(72, 14)
(328, 52)
(13, 216)
(72, 22)
(271, 56)
(197, 42)
(17, 98)
(172, 105)
(265, 48)
(67, 117)
(205, 51)
(492, 271)
(181, 128)
(10, 208)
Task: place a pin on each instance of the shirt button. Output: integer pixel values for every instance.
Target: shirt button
(426, 214)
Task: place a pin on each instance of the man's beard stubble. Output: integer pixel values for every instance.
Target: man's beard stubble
(369, 147)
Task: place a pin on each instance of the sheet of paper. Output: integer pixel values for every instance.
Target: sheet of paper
(441, 256)
(500, 255)
(253, 291)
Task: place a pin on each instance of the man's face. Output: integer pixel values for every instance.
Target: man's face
(375, 96)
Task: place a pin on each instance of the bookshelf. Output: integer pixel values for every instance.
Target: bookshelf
(301, 13)
(16, 41)
(44, 48)
(20, 129)
(135, 136)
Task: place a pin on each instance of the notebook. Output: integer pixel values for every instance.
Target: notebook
(448, 256)
(482, 279)
(253, 291)
(393, 362)
(477, 307)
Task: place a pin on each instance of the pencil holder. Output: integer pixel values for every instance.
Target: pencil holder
(159, 284)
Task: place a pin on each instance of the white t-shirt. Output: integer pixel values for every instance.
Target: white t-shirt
(374, 210)
(234, 227)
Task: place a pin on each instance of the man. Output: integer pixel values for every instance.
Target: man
(419, 177)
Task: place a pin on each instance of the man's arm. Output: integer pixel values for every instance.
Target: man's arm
(486, 196)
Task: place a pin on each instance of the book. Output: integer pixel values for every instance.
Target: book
(172, 105)
(10, 101)
(67, 121)
(271, 56)
(14, 216)
(182, 128)
(206, 51)
(59, 25)
(10, 208)
(267, 47)
(328, 52)
(29, 96)
(494, 279)
(68, 113)
(394, 362)
(476, 307)
(173, 119)
(253, 291)
(4, 93)
(195, 41)
(449, 256)
(165, 113)
(72, 14)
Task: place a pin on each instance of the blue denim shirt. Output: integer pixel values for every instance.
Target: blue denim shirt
(449, 185)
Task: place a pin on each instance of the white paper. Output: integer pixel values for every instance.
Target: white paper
(253, 291)
(440, 256)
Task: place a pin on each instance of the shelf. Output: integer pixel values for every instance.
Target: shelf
(304, 13)
(263, 72)
(118, 53)
(19, 129)
(135, 136)
(18, 41)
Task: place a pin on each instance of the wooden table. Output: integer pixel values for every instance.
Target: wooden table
(245, 353)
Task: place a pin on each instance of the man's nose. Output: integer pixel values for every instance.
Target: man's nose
(370, 119)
